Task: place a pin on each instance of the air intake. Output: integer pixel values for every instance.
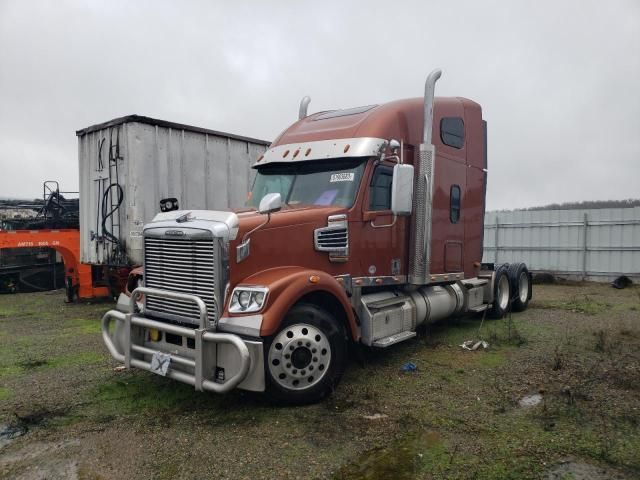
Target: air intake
(334, 238)
(329, 239)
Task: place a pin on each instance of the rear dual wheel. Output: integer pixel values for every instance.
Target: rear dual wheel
(501, 292)
(521, 289)
(511, 289)
(306, 358)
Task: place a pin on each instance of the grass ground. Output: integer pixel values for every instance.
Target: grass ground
(65, 412)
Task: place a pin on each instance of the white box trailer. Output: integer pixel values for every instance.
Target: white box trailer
(129, 164)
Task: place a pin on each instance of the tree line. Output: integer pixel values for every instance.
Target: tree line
(589, 204)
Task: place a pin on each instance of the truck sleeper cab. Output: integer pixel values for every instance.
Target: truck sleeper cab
(363, 225)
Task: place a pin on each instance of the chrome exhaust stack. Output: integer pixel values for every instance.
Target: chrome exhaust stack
(429, 93)
(304, 105)
(419, 268)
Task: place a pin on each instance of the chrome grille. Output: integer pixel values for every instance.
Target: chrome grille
(184, 265)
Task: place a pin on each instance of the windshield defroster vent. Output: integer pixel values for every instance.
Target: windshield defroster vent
(334, 238)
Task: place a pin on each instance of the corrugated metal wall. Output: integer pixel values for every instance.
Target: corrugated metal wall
(208, 171)
(597, 245)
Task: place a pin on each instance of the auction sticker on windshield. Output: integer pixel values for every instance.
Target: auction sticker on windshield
(342, 177)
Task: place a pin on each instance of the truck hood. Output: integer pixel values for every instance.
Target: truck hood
(222, 224)
(288, 216)
(288, 238)
(233, 225)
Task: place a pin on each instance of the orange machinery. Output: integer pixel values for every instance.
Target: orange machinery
(78, 277)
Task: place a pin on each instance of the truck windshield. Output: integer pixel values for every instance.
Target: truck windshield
(333, 182)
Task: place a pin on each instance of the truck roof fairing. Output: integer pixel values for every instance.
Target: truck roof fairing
(400, 119)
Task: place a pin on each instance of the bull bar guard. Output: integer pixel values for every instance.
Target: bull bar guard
(200, 335)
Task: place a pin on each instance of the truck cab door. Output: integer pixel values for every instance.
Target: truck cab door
(381, 249)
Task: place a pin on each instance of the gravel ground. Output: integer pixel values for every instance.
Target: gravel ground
(67, 412)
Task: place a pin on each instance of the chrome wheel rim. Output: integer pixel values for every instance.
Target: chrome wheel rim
(523, 285)
(299, 356)
(503, 292)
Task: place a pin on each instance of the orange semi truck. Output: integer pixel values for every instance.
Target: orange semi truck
(363, 224)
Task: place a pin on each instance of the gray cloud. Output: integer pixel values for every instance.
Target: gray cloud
(557, 80)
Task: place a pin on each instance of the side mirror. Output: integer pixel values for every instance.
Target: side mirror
(271, 202)
(402, 189)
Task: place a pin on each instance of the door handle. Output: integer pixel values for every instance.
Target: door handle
(373, 225)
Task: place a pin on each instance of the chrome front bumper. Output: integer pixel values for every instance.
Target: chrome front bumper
(200, 364)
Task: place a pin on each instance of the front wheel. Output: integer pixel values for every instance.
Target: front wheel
(306, 358)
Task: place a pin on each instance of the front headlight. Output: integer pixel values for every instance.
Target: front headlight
(247, 299)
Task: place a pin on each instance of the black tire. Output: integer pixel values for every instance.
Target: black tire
(69, 290)
(501, 292)
(309, 349)
(521, 290)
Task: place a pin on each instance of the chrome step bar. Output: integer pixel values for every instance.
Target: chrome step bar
(480, 308)
(393, 339)
(201, 335)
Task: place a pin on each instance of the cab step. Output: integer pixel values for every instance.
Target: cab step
(480, 308)
(393, 339)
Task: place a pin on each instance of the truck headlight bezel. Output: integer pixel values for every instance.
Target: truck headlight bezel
(248, 299)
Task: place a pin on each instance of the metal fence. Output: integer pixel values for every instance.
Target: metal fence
(597, 245)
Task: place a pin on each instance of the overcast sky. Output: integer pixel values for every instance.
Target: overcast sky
(558, 80)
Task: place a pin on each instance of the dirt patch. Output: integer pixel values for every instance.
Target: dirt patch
(455, 416)
(404, 459)
(21, 424)
(40, 460)
(530, 400)
(573, 470)
(10, 432)
(31, 364)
